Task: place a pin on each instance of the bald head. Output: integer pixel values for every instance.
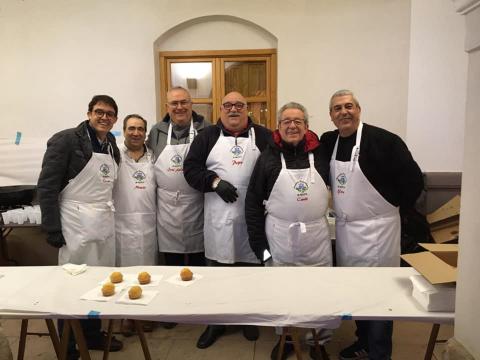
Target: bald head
(234, 112)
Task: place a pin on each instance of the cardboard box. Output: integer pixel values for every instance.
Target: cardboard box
(435, 288)
(446, 234)
(444, 222)
(438, 264)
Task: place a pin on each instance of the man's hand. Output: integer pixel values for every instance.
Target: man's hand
(226, 191)
(56, 239)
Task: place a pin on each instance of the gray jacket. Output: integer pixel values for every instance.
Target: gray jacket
(157, 138)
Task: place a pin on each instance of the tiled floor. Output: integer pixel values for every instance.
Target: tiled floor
(410, 341)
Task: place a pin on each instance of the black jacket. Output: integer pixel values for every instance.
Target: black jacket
(385, 161)
(265, 175)
(194, 168)
(68, 152)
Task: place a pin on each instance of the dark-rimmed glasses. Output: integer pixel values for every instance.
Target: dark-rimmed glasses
(100, 113)
(238, 105)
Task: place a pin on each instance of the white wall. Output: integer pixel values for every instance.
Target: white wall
(55, 55)
(60, 53)
(437, 86)
(467, 316)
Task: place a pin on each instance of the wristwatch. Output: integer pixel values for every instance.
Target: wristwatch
(215, 183)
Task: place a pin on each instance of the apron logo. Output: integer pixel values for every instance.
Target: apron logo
(105, 173)
(237, 152)
(176, 160)
(342, 181)
(301, 187)
(176, 164)
(139, 177)
(105, 170)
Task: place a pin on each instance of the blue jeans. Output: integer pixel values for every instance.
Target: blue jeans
(375, 336)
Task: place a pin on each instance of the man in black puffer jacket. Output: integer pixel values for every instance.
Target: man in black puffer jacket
(294, 142)
(287, 199)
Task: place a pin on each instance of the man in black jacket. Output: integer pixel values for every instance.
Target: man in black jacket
(75, 195)
(372, 173)
(219, 164)
(287, 199)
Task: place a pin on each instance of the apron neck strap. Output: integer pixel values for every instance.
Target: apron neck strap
(356, 149)
(251, 135)
(191, 133)
(282, 159)
(310, 161)
(169, 133)
(312, 166)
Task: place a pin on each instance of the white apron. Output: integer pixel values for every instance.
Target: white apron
(226, 237)
(86, 213)
(296, 223)
(367, 226)
(135, 214)
(180, 207)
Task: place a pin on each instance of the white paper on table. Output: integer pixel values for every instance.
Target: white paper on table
(147, 296)
(440, 297)
(96, 294)
(74, 269)
(177, 280)
(1, 275)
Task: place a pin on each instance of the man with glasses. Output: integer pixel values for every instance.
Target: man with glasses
(372, 174)
(219, 164)
(180, 207)
(287, 199)
(75, 195)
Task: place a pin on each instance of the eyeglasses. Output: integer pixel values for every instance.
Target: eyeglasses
(238, 105)
(100, 113)
(182, 103)
(288, 122)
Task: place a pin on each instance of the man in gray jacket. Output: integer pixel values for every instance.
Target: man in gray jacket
(179, 207)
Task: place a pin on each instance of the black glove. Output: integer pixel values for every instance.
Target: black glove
(226, 191)
(56, 239)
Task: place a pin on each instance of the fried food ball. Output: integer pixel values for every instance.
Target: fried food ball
(135, 292)
(144, 278)
(186, 274)
(108, 289)
(116, 277)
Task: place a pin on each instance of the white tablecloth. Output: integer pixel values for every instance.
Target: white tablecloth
(271, 296)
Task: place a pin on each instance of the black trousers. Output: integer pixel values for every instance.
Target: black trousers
(237, 264)
(91, 330)
(192, 259)
(376, 337)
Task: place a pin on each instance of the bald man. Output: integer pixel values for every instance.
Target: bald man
(219, 164)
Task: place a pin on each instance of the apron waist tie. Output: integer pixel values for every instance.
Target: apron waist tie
(108, 203)
(303, 227)
(343, 218)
